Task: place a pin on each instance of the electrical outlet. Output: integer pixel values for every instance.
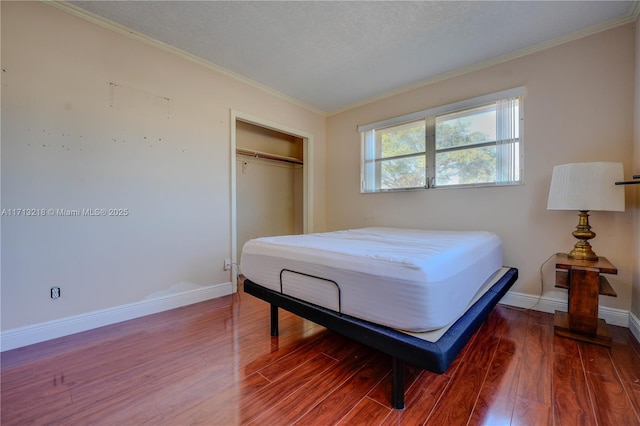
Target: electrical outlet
(55, 292)
(227, 264)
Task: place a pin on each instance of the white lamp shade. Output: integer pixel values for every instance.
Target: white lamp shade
(587, 186)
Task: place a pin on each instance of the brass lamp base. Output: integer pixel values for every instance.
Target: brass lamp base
(582, 250)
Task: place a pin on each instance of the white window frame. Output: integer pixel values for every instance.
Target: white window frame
(368, 173)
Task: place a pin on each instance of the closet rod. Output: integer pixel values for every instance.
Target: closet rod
(267, 156)
(631, 182)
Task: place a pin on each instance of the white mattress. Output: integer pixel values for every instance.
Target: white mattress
(408, 279)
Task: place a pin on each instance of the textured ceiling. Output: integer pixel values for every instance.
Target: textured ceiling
(330, 55)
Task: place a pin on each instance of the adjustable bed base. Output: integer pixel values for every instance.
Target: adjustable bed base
(433, 351)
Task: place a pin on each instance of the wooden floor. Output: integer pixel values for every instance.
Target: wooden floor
(214, 363)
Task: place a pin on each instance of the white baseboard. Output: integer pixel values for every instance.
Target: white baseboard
(549, 304)
(23, 336)
(634, 326)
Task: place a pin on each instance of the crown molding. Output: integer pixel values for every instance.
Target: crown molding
(632, 16)
(122, 30)
(603, 26)
(635, 11)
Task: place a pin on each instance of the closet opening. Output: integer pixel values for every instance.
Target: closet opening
(270, 183)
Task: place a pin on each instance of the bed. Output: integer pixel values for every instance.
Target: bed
(417, 295)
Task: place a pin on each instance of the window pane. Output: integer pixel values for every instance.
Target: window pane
(401, 173)
(479, 145)
(404, 139)
(468, 127)
(467, 166)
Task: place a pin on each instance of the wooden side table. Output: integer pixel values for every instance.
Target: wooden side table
(584, 281)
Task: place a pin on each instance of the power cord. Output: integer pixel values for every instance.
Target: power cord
(541, 287)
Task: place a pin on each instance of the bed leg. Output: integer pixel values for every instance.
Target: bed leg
(397, 386)
(274, 320)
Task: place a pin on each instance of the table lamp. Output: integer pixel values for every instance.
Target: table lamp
(585, 187)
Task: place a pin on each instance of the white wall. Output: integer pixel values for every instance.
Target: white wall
(93, 119)
(578, 107)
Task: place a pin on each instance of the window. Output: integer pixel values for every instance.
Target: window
(470, 143)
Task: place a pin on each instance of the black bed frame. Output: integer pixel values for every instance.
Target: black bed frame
(402, 347)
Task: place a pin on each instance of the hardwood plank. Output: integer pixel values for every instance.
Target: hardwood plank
(130, 410)
(484, 347)
(31, 410)
(37, 389)
(633, 392)
(498, 393)
(534, 382)
(342, 348)
(538, 317)
(342, 399)
(220, 409)
(290, 408)
(516, 314)
(513, 335)
(286, 360)
(366, 412)
(493, 412)
(453, 368)
(596, 359)
(420, 399)
(566, 347)
(502, 377)
(459, 397)
(382, 392)
(530, 412)
(611, 401)
(627, 361)
(501, 315)
(130, 394)
(572, 404)
(201, 386)
(253, 406)
(238, 402)
(215, 363)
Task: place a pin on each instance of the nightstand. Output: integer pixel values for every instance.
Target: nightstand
(585, 281)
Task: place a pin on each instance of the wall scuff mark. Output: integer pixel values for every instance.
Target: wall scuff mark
(129, 99)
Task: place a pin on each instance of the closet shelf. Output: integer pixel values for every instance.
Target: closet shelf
(267, 156)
